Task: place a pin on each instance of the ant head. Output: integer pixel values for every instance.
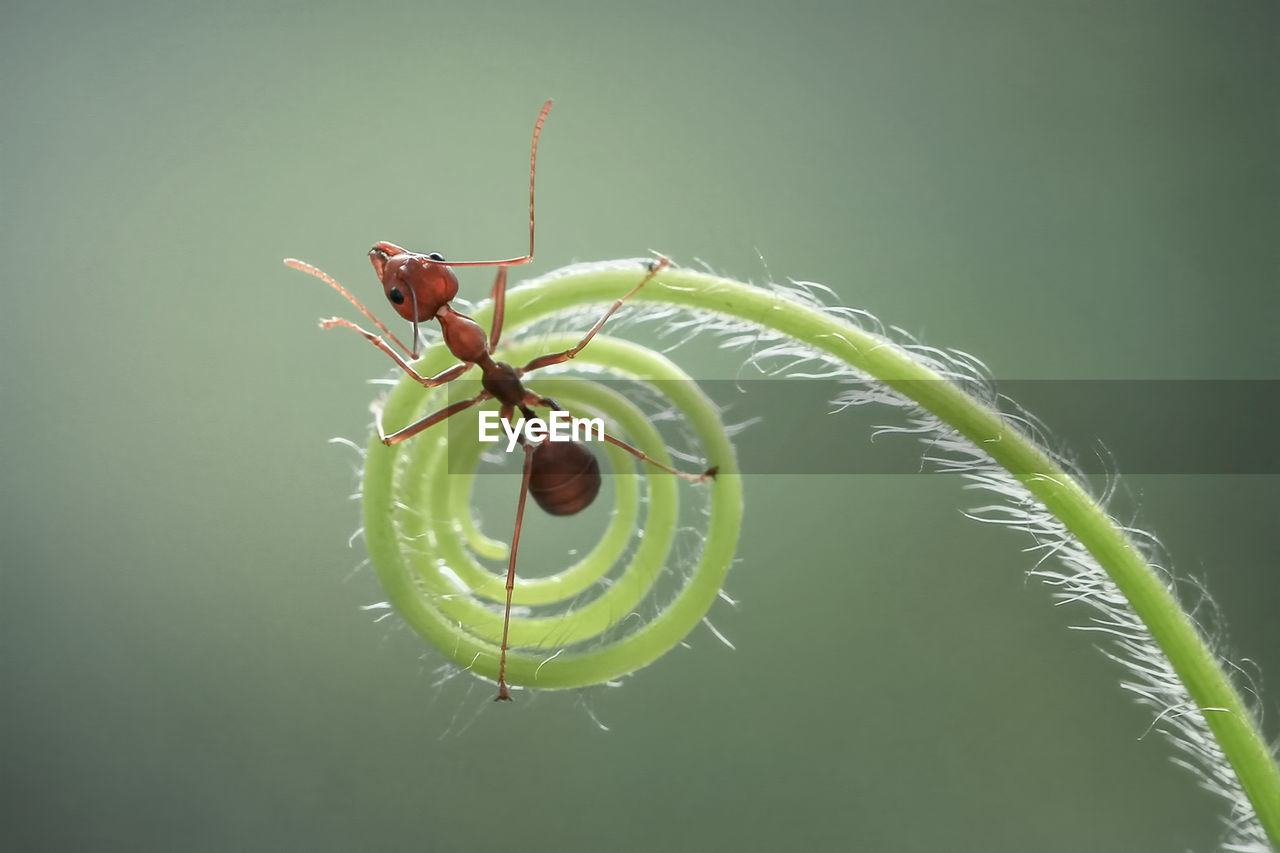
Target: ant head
(417, 286)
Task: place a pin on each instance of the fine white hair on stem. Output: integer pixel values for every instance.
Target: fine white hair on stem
(1062, 563)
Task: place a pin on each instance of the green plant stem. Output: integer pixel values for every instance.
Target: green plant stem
(415, 495)
(1171, 628)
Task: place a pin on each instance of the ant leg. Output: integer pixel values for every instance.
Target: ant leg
(709, 474)
(303, 266)
(503, 693)
(532, 399)
(440, 378)
(430, 420)
(499, 297)
(562, 357)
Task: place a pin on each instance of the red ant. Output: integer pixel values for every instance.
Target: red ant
(563, 476)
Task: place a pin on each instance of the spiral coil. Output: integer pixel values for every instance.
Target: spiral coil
(575, 627)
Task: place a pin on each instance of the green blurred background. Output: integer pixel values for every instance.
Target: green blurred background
(1082, 190)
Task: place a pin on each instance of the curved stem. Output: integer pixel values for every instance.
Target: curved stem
(1171, 628)
(411, 502)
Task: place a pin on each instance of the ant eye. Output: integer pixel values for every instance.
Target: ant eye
(395, 296)
(436, 256)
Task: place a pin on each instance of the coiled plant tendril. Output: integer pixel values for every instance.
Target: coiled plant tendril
(417, 522)
(426, 548)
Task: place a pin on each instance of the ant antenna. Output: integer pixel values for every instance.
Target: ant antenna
(533, 170)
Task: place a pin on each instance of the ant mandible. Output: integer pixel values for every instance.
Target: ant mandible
(563, 476)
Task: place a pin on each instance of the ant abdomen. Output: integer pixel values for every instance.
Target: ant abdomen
(565, 477)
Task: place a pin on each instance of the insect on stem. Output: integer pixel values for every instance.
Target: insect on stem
(563, 476)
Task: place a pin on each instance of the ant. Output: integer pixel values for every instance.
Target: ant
(563, 476)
